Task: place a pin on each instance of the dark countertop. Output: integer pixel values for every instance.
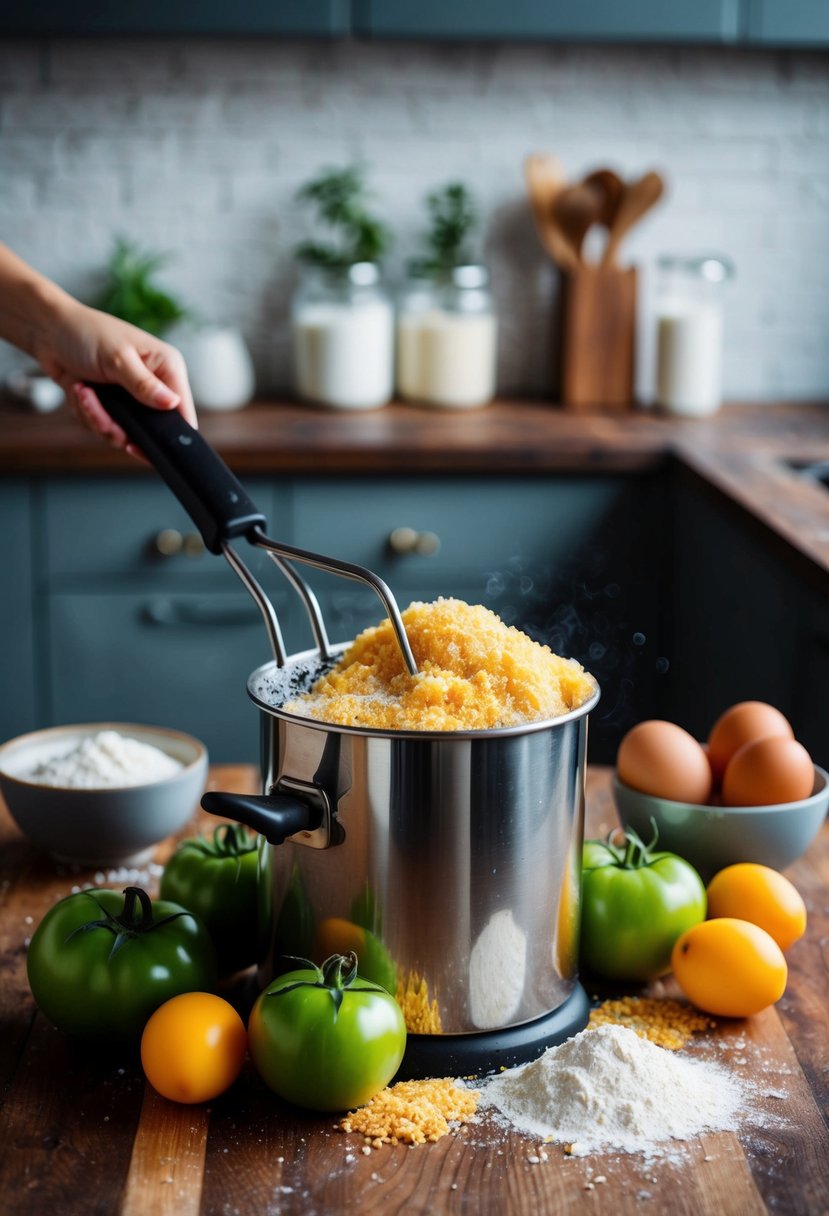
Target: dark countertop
(740, 454)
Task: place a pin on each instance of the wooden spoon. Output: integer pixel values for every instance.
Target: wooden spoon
(611, 187)
(575, 209)
(637, 198)
(545, 180)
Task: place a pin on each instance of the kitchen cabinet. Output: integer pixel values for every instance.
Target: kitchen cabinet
(17, 689)
(772, 23)
(788, 22)
(134, 634)
(560, 20)
(125, 633)
(763, 632)
(302, 18)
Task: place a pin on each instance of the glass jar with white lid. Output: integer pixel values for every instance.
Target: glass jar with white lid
(690, 326)
(447, 339)
(343, 333)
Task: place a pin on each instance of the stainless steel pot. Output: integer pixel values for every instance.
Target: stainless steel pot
(452, 858)
(449, 861)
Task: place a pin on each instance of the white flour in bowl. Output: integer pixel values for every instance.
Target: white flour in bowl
(608, 1089)
(106, 760)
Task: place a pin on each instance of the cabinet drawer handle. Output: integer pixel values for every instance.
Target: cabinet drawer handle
(409, 540)
(176, 612)
(169, 542)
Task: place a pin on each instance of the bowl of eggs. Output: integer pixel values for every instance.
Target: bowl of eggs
(750, 793)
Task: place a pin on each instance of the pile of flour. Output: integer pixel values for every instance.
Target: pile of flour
(608, 1089)
(106, 760)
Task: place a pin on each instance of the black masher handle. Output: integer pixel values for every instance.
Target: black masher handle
(210, 494)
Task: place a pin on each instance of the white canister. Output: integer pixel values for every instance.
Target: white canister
(219, 366)
(689, 345)
(447, 341)
(343, 333)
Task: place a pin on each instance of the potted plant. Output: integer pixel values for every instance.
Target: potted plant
(342, 318)
(131, 293)
(453, 220)
(446, 326)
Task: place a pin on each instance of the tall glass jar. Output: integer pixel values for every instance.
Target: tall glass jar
(447, 340)
(343, 335)
(689, 310)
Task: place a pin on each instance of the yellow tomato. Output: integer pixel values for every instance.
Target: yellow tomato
(761, 895)
(729, 967)
(193, 1047)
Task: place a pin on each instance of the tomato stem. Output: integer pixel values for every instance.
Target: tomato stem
(135, 919)
(336, 975)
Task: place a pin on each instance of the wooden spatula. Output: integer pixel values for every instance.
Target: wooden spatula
(545, 180)
(636, 198)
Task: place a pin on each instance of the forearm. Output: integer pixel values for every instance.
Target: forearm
(30, 304)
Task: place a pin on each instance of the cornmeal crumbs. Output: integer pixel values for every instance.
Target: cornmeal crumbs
(474, 673)
(412, 1112)
(664, 1022)
(421, 1013)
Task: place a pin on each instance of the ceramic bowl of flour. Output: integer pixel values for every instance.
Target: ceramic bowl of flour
(104, 792)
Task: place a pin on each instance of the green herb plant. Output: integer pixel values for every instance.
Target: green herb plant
(454, 219)
(342, 202)
(131, 293)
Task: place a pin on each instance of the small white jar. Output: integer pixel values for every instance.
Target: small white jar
(689, 345)
(447, 340)
(343, 335)
(219, 366)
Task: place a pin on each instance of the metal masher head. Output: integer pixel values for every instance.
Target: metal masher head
(222, 511)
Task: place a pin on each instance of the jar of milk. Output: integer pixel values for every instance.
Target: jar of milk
(689, 348)
(447, 339)
(343, 334)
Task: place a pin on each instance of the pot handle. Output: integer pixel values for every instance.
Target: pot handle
(210, 494)
(275, 816)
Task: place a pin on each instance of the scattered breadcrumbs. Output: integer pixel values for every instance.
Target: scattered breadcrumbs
(412, 1112)
(665, 1022)
(421, 1015)
(474, 673)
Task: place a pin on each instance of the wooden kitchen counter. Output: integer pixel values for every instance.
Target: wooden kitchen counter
(740, 455)
(80, 1132)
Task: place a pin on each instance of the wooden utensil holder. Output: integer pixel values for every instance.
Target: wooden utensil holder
(598, 338)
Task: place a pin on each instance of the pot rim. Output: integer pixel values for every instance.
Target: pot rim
(308, 657)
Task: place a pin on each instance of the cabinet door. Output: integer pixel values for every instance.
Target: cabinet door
(486, 527)
(571, 560)
(179, 660)
(17, 616)
(573, 20)
(288, 17)
(788, 22)
(113, 527)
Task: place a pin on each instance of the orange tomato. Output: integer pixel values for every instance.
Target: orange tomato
(761, 895)
(729, 967)
(193, 1047)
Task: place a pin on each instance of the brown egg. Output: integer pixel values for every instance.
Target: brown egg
(768, 771)
(662, 759)
(741, 724)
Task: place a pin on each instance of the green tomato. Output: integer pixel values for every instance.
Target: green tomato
(325, 1038)
(635, 904)
(217, 879)
(101, 962)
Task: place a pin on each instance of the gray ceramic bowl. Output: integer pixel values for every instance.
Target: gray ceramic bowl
(712, 837)
(101, 826)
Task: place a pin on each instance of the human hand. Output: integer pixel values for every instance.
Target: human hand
(81, 343)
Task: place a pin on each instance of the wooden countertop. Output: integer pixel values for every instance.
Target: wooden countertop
(81, 1132)
(740, 454)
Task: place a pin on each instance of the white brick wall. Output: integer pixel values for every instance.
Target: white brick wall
(198, 148)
